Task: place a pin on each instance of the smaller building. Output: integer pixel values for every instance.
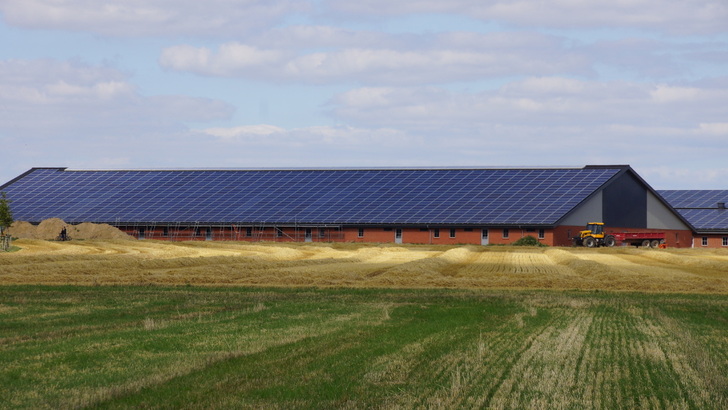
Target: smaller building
(706, 211)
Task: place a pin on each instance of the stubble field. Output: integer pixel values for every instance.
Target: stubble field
(231, 325)
(121, 262)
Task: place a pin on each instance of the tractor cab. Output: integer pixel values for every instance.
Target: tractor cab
(595, 229)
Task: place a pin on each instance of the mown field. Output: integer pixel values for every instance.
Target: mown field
(149, 346)
(118, 262)
(120, 324)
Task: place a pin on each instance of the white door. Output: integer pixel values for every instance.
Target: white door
(484, 237)
(398, 235)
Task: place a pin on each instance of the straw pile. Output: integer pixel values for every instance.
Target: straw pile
(49, 229)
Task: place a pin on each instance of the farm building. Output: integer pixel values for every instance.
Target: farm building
(434, 205)
(706, 211)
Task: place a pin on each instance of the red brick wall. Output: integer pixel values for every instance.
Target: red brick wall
(231, 233)
(714, 241)
(560, 236)
(462, 236)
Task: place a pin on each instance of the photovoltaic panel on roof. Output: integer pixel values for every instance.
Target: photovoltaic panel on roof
(706, 219)
(694, 198)
(374, 196)
(700, 207)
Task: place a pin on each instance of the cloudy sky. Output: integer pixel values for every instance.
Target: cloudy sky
(92, 84)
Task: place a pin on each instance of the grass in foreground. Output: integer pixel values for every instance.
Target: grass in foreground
(113, 347)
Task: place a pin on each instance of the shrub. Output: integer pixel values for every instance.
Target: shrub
(528, 241)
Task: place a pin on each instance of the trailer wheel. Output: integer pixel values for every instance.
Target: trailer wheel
(655, 243)
(609, 241)
(589, 242)
(646, 243)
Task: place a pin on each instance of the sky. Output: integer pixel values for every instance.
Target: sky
(160, 84)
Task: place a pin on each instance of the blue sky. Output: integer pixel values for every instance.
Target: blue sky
(284, 83)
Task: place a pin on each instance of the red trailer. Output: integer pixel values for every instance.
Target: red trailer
(644, 239)
(594, 235)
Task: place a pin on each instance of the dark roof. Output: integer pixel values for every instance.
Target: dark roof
(523, 196)
(700, 208)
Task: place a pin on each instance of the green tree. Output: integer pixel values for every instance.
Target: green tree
(6, 219)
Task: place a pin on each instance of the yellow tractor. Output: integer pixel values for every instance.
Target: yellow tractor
(594, 236)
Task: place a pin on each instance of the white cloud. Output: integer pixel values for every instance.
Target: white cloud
(496, 144)
(231, 59)
(669, 94)
(221, 18)
(315, 137)
(443, 58)
(50, 97)
(715, 128)
(124, 18)
(536, 101)
(244, 131)
(324, 55)
(675, 16)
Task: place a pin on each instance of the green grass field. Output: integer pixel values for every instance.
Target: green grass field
(148, 346)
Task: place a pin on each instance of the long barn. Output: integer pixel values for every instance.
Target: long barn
(414, 205)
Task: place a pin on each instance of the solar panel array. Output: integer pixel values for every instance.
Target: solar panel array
(333, 196)
(700, 207)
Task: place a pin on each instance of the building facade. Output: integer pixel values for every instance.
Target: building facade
(485, 206)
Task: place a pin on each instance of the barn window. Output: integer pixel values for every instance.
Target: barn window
(506, 233)
(361, 233)
(541, 234)
(725, 241)
(436, 233)
(322, 233)
(279, 232)
(452, 233)
(705, 241)
(249, 231)
(165, 231)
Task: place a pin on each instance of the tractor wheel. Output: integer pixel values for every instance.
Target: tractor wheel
(646, 243)
(589, 242)
(609, 241)
(655, 243)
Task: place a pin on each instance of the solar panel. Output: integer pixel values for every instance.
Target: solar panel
(700, 207)
(364, 196)
(694, 198)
